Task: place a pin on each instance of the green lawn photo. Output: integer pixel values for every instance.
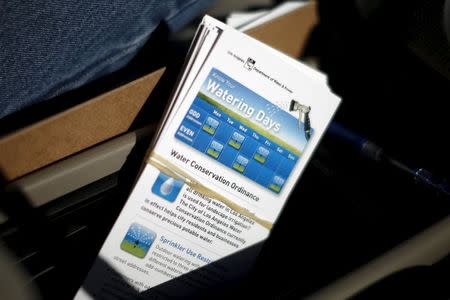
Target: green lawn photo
(132, 248)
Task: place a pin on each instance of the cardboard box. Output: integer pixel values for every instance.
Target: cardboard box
(288, 33)
(75, 129)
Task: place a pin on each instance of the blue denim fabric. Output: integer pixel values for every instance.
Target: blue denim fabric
(48, 47)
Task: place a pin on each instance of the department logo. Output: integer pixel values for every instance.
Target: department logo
(249, 64)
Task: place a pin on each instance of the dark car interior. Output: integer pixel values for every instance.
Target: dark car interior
(390, 64)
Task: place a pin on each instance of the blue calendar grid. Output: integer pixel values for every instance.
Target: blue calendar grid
(236, 146)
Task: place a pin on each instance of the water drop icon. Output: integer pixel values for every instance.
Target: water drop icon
(167, 187)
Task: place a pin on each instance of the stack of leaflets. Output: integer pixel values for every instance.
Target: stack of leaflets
(240, 128)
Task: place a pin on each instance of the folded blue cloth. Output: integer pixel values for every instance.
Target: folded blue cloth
(48, 47)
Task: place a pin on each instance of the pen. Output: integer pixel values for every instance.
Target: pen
(374, 152)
